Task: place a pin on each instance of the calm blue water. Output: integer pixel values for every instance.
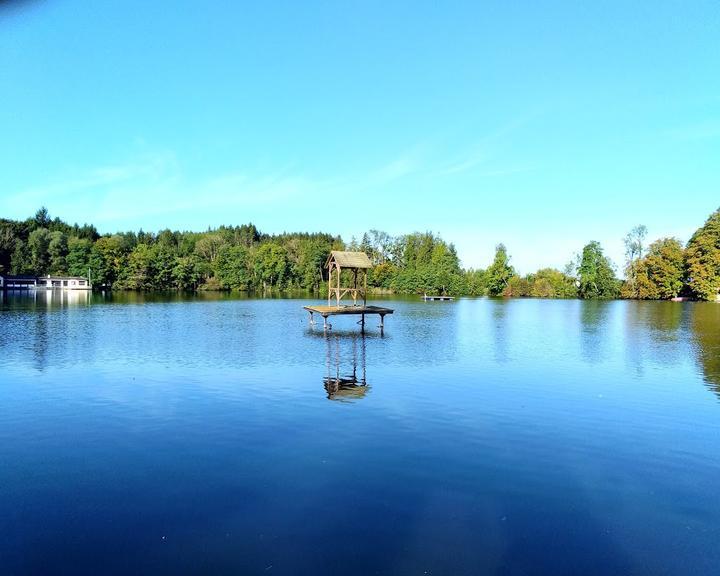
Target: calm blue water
(209, 436)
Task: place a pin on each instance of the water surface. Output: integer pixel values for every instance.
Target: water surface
(215, 435)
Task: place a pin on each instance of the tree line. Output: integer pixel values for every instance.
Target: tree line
(244, 258)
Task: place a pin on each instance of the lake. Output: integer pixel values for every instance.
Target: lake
(221, 435)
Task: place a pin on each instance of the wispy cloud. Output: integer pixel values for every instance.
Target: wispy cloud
(484, 153)
(401, 166)
(156, 184)
(144, 169)
(464, 164)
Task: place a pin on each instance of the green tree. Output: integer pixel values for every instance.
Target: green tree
(551, 283)
(58, 251)
(382, 274)
(476, 282)
(140, 270)
(499, 272)
(270, 264)
(39, 243)
(163, 258)
(78, 258)
(109, 258)
(308, 267)
(208, 246)
(187, 272)
(660, 274)
(445, 266)
(595, 274)
(634, 250)
(232, 268)
(21, 260)
(7, 245)
(42, 218)
(702, 259)
(517, 287)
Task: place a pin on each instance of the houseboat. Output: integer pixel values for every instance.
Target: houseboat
(24, 282)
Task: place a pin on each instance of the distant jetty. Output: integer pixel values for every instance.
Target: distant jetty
(441, 298)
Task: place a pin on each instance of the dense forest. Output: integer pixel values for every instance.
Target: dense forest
(244, 258)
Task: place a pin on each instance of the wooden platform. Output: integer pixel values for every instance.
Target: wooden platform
(326, 311)
(443, 298)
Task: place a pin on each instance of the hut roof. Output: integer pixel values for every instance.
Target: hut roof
(350, 259)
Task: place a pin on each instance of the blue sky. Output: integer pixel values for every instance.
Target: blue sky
(542, 125)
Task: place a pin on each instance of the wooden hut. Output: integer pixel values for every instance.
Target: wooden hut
(358, 265)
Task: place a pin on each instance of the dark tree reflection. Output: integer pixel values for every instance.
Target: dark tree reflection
(706, 337)
(593, 320)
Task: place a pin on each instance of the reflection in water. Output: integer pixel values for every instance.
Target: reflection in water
(706, 336)
(593, 322)
(496, 449)
(50, 323)
(41, 340)
(343, 382)
(500, 336)
(45, 299)
(653, 333)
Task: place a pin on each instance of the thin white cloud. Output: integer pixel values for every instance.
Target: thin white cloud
(155, 184)
(465, 164)
(397, 168)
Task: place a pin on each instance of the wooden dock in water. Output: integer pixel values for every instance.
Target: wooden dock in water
(355, 266)
(443, 298)
(362, 311)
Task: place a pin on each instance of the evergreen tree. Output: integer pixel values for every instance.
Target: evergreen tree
(499, 273)
(57, 252)
(39, 243)
(596, 274)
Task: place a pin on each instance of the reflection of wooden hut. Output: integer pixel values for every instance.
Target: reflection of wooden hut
(351, 385)
(343, 390)
(357, 264)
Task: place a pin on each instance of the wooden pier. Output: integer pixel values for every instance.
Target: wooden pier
(362, 311)
(442, 298)
(353, 268)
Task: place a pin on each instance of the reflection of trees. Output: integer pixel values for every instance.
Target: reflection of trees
(652, 329)
(663, 319)
(706, 336)
(346, 376)
(500, 337)
(41, 340)
(42, 323)
(593, 318)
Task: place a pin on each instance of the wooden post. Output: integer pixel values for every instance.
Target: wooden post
(355, 273)
(339, 273)
(365, 289)
(330, 275)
